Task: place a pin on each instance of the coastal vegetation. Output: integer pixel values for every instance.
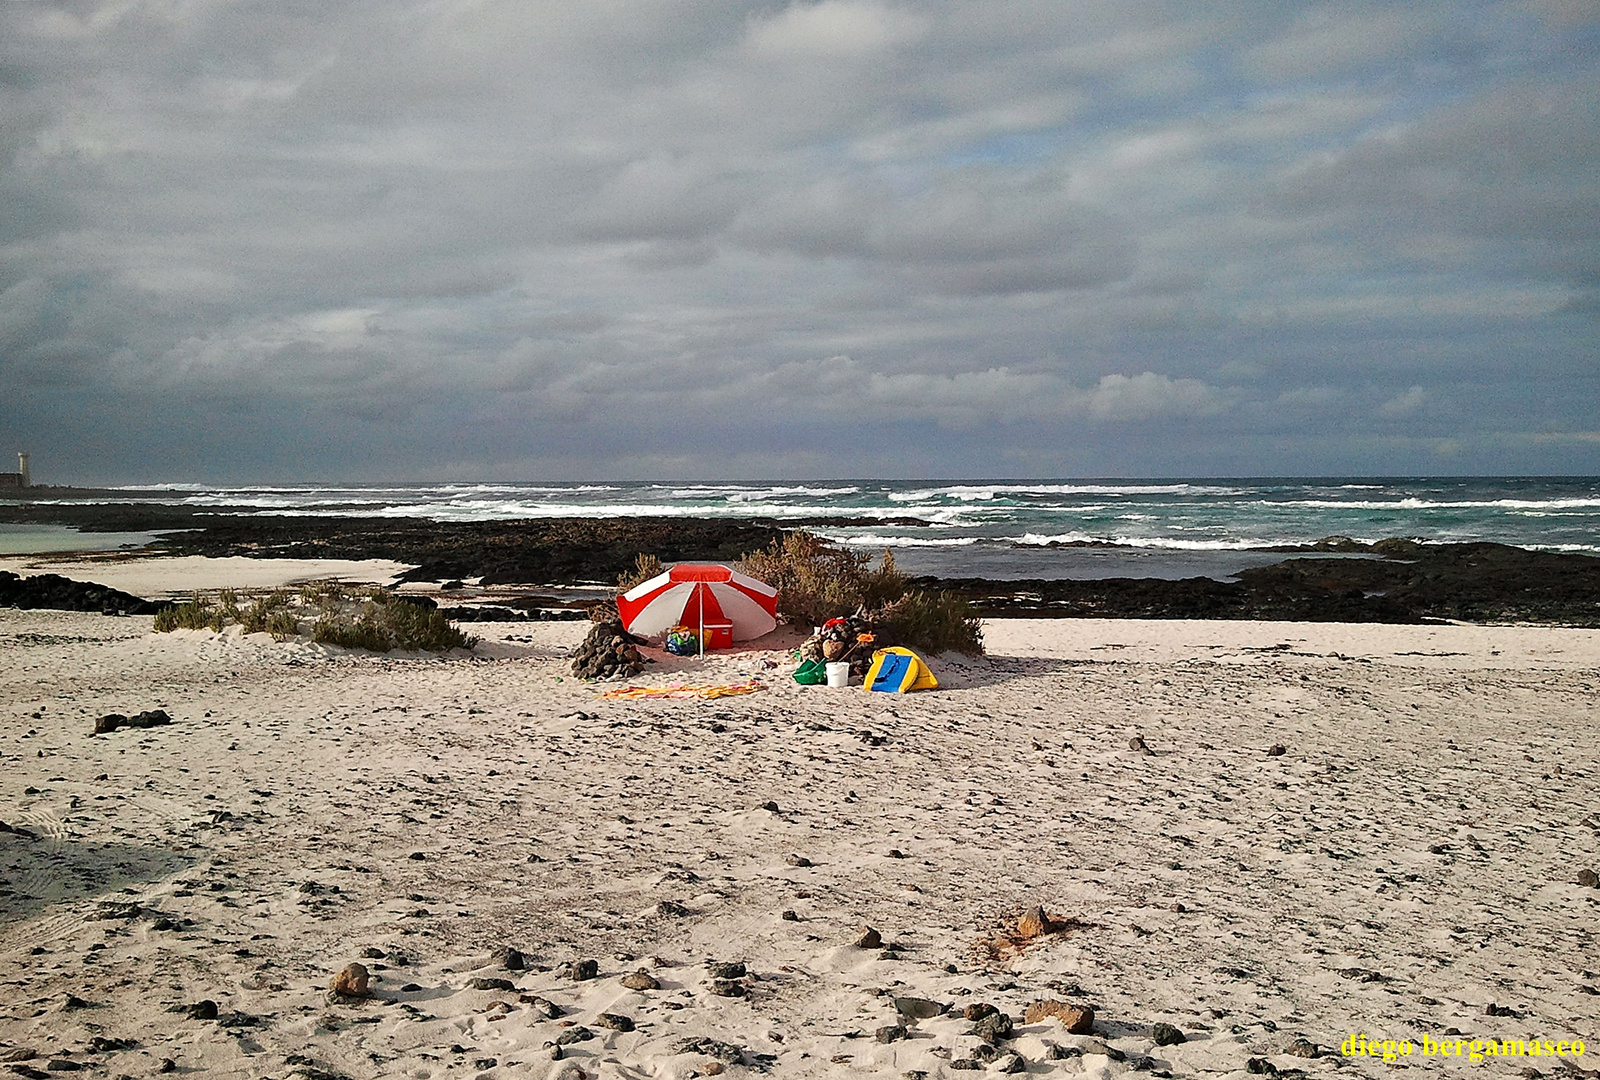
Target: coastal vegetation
(326, 612)
(817, 580)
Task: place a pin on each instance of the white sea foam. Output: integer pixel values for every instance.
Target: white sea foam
(987, 492)
(876, 540)
(1167, 543)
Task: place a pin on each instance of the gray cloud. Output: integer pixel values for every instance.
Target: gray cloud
(484, 238)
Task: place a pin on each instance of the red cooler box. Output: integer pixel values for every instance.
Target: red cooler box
(719, 635)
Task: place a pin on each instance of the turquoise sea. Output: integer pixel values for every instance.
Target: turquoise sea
(1010, 528)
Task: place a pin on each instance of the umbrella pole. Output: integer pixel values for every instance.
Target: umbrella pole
(702, 618)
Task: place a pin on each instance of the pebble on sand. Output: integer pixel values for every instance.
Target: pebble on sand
(641, 980)
(919, 1008)
(1035, 923)
(1167, 1035)
(351, 981)
(1589, 879)
(869, 939)
(1077, 1019)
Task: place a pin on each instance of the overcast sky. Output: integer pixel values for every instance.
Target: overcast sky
(518, 239)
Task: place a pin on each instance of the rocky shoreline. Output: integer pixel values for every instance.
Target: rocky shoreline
(1393, 581)
(1404, 582)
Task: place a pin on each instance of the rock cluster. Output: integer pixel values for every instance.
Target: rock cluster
(64, 594)
(608, 651)
(112, 721)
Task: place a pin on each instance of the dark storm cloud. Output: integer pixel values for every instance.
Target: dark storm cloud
(476, 237)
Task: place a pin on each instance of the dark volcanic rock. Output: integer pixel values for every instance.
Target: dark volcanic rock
(63, 594)
(1405, 582)
(550, 551)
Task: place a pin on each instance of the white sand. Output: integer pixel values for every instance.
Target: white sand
(156, 578)
(1410, 858)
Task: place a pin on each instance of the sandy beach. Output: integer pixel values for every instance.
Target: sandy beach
(1332, 829)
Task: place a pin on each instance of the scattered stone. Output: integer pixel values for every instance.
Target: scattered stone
(614, 1021)
(492, 984)
(1303, 1048)
(896, 853)
(1278, 750)
(1136, 744)
(543, 1006)
(641, 980)
(869, 939)
(102, 1045)
(728, 988)
(986, 1053)
(511, 959)
(1167, 1035)
(485, 1063)
(574, 1035)
(798, 860)
(351, 982)
(919, 1008)
(372, 953)
(167, 1065)
(790, 915)
(204, 1010)
(992, 1029)
(978, 1010)
(1035, 923)
(1179, 908)
(892, 1033)
(112, 721)
(1011, 1063)
(580, 970)
(1589, 879)
(1057, 1052)
(1260, 1067)
(410, 988)
(770, 805)
(733, 969)
(21, 1053)
(711, 1048)
(1077, 1019)
(672, 909)
(966, 1065)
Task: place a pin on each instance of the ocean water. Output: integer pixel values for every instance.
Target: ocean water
(1011, 528)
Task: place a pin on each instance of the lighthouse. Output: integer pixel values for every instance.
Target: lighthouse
(22, 468)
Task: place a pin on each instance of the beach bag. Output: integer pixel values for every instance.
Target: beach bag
(811, 673)
(898, 670)
(682, 642)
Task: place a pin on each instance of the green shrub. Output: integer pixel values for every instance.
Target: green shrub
(645, 567)
(412, 626)
(363, 633)
(195, 614)
(817, 581)
(354, 619)
(933, 621)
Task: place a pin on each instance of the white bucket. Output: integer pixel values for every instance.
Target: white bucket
(838, 674)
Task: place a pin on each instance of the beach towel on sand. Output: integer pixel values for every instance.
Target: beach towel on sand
(685, 690)
(897, 670)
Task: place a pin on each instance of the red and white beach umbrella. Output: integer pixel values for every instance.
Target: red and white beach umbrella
(698, 595)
